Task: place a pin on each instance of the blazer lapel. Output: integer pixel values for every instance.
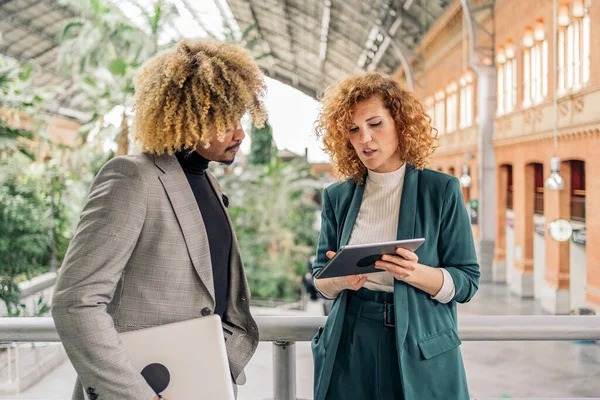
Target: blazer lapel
(408, 204)
(352, 213)
(189, 217)
(406, 230)
(235, 248)
(219, 193)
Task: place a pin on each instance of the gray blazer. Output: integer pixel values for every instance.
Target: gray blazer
(140, 258)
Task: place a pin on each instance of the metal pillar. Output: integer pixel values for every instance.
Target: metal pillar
(486, 104)
(284, 370)
(481, 42)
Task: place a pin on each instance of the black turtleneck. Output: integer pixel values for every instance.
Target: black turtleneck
(215, 221)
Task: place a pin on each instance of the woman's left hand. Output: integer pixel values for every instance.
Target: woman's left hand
(401, 266)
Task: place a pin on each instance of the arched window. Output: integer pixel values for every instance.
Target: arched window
(578, 191)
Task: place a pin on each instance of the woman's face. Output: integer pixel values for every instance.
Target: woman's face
(373, 135)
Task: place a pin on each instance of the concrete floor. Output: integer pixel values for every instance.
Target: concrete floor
(526, 369)
(494, 369)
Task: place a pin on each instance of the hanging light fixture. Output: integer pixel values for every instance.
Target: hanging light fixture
(510, 49)
(465, 178)
(563, 14)
(555, 181)
(528, 37)
(578, 9)
(539, 34)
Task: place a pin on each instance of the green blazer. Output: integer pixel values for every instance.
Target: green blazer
(432, 207)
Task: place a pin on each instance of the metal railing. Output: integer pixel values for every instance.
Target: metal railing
(284, 332)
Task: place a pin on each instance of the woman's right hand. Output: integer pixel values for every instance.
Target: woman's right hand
(337, 284)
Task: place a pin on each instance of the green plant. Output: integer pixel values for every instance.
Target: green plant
(262, 147)
(273, 214)
(25, 239)
(101, 52)
(40, 308)
(17, 97)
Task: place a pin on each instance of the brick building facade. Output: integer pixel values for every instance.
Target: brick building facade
(563, 275)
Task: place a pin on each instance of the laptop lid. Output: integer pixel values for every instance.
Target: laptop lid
(184, 360)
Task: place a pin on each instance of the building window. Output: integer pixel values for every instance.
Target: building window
(429, 110)
(510, 84)
(501, 59)
(526, 77)
(466, 100)
(509, 187)
(538, 197)
(440, 112)
(562, 62)
(535, 64)
(507, 78)
(585, 48)
(451, 108)
(539, 71)
(573, 47)
(578, 191)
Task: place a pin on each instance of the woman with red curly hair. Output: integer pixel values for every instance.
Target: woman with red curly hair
(390, 334)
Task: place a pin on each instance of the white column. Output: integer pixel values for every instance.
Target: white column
(486, 106)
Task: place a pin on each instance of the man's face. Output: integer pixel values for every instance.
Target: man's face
(223, 152)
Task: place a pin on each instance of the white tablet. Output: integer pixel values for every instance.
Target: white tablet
(361, 258)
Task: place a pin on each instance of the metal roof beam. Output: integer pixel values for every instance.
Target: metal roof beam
(326, 17)
(375, 38)
(66, 10)
(425, 10)
(20, 10)
(23, 25)
(228, 19)
(5, 2)
(42, 52)
(481, 46)
(264, 43)
(406, 16)
(288, 27)
(384, 46)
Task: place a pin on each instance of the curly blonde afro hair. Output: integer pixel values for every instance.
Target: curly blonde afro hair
(417, 138)
(196, 90)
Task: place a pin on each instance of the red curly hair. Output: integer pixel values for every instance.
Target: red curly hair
(417, 138)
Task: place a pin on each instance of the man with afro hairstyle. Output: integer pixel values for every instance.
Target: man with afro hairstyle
(155, 244)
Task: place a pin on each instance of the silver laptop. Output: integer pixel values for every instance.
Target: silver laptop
(183, 360)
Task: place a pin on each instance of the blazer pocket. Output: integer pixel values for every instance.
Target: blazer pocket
(121, 328)
(439, 344)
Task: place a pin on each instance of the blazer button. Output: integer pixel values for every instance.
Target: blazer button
(206, 311)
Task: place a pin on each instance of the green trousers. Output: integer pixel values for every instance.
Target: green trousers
(366, 362)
